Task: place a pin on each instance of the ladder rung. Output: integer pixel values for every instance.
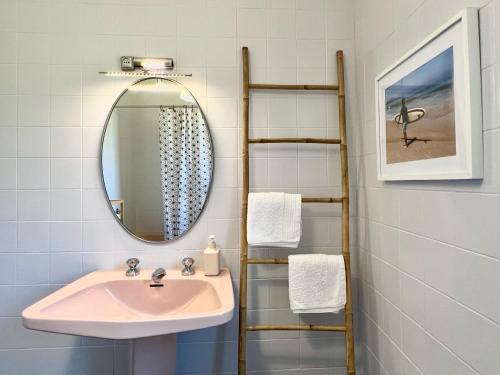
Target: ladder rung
(274, 260)
(331, 141)
(296, 327)
(322, 200)
(267, 261)
(270, 86)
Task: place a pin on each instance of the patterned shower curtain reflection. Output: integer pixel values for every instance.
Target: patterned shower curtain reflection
(186, 165)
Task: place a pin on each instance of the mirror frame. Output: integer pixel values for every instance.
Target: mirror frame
(101, 146)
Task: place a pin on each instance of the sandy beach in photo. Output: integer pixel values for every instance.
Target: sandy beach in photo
(428, 90)
(431, 137)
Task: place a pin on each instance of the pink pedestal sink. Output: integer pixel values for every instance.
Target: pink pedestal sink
(110, 305)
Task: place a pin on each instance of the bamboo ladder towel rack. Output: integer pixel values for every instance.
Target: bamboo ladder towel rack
(347, 328)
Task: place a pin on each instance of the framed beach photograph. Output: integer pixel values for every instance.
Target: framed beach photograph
(428, 107)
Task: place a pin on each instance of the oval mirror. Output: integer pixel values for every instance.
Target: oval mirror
(157, 159)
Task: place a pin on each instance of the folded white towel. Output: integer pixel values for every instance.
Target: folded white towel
(274, 219)
(316, 283)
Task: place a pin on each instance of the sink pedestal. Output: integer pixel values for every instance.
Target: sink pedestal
(153, 355)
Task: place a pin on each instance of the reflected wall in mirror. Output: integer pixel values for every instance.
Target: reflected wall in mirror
(157, 160)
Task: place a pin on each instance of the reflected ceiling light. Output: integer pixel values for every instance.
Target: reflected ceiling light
(160, 85)
(187, 97)
(146, 67)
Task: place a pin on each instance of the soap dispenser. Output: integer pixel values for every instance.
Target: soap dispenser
(211, 258)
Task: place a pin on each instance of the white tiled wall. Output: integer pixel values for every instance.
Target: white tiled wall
(429, 251)
(54, 221)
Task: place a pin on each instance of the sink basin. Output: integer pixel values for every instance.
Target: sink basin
(110, 305)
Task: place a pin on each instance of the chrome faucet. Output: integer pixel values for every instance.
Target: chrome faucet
(157, 276)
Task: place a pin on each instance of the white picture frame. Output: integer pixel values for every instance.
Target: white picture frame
(453, 119)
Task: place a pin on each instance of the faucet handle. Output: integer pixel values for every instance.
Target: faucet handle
(188, 266)
(132, 264)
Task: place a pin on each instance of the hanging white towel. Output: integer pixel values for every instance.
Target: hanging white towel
(274, 219)
(316, 283)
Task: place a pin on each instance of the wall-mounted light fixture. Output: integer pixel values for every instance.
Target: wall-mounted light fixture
(146, 63)
(146, 67)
